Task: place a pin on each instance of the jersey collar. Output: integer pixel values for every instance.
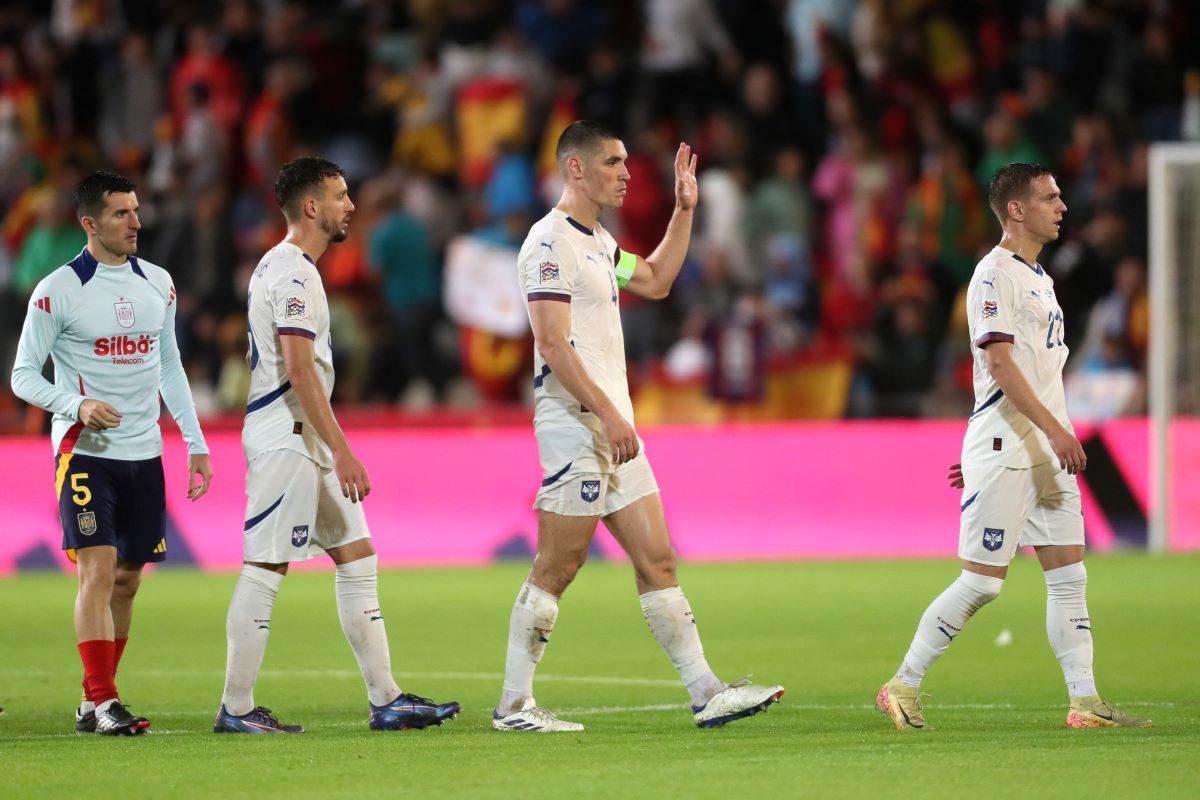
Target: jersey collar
(85, 265)
(1035, 267)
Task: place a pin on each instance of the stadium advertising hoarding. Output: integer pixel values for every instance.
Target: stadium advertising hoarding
(819, 490)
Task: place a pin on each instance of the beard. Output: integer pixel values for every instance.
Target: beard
(334, 230)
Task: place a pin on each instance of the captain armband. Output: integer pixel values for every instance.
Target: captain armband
(626, 264)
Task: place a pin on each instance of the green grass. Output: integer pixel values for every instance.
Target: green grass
(830, 632)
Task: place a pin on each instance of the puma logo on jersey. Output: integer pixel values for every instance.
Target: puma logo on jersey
(989, 283)
(548, 245)
(300, 283)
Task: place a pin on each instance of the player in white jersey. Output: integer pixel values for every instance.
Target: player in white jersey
(107, 319)
(592, 462)
(1019, 459)
(304, 486)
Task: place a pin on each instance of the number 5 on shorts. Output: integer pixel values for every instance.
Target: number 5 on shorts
(82, 495)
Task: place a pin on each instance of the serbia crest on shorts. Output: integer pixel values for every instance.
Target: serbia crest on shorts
(993, 538)
(300, 535)
(589, 490)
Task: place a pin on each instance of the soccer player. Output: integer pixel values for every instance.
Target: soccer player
(107, 319)
(304, 486)
(592, 461)
(1019, 459)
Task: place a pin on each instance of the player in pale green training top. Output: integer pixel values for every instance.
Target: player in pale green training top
(107, 319)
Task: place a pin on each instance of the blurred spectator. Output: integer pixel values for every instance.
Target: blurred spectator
(679, 36)
(55, 239)
(130, 105)
(402, 257)
(948, 212)
(1004, 144)
(1106, 380)
(903, 354)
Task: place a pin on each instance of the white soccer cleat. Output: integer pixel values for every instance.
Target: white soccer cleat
(533, 719)
(738, 699)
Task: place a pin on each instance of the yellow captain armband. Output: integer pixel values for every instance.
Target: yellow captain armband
(626, 264)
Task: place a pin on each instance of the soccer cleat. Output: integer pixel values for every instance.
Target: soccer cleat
(410, 712)
(85, 721)
(259, 720)
(117, 721)
(738, 699)
(901, 703)
(533, 719)
(1092, 712)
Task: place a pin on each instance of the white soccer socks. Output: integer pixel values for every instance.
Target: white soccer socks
(1069, 628)
(362, 622)
(943, 620)
(670, 619)
(247, 627)
(529, 630)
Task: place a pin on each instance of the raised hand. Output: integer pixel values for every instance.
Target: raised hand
(687, 191)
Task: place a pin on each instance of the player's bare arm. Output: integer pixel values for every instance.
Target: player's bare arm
(299, 357)
(98, 415)
(654, 275)
(551, 331)
(1008, 377)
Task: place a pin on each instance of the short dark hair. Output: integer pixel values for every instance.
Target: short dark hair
(1012, 182)
(92, 191)
(581, 138)
(301, 176)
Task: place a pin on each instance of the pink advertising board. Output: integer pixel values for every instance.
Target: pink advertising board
(460, 496)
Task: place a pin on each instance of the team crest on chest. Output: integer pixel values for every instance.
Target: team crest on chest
(993, 538)
(125, 316)
(589, 490)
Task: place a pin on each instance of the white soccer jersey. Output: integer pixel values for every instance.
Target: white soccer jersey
(285, 298)
(110, 330)
(1010, 300)
(563, 261)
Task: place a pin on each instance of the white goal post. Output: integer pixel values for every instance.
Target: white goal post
(1174, 285)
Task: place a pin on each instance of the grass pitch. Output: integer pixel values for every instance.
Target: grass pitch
(830, 632)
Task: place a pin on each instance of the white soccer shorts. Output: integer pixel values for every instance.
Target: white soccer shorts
(1004, 508)
(583, 492)
(295, 510)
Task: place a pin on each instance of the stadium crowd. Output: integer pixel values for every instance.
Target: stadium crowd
(845, 151)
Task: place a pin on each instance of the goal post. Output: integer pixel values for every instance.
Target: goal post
(1174, 285)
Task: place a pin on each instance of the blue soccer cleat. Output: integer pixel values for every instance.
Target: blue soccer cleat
(410, 712)
(260, 720)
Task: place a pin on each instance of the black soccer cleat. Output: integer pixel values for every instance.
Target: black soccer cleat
(85, 721)
(117, 721)
(410, 712)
